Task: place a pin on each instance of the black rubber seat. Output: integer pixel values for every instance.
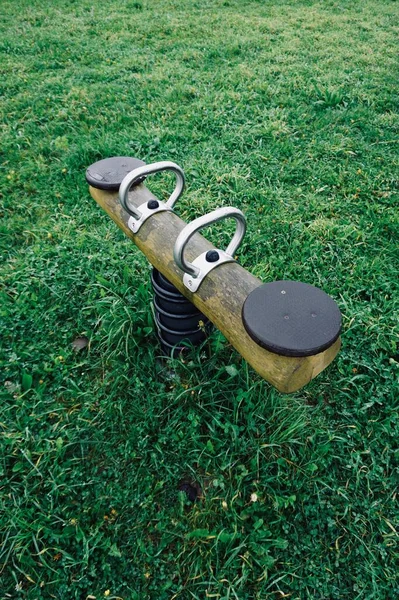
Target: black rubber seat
(107, 174)
(291, 318)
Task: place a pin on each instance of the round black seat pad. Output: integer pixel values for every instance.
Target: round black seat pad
(108, 174)
(291, 318)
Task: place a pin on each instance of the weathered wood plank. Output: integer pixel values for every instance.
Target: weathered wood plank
(221, 295)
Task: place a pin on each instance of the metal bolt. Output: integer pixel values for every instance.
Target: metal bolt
(212, 256)
(153, 204)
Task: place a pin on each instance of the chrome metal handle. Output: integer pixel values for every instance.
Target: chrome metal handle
(140, 214)
(195, 272)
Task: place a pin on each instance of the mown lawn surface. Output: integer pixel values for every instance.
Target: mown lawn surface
(287, 110)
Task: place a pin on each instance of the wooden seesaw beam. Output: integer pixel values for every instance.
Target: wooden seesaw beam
(221, 295)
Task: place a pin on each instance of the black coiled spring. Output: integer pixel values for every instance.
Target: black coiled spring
(177, 320)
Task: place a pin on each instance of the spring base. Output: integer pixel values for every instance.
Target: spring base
(178, 322)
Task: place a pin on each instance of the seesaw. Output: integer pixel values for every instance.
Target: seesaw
(287, 331)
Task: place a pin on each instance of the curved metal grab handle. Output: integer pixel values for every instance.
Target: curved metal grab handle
(213, 217)
(132, 177)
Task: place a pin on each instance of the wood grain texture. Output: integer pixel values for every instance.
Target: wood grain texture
(221, 295)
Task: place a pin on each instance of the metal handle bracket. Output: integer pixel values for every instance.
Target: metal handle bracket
(138, 215)
(195, 272)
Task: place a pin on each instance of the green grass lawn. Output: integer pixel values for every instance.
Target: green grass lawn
(288, 110)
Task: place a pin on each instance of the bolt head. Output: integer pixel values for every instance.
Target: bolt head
(212, 256)
(152, 204)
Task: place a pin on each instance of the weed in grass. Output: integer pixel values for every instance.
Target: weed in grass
(328, 98)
